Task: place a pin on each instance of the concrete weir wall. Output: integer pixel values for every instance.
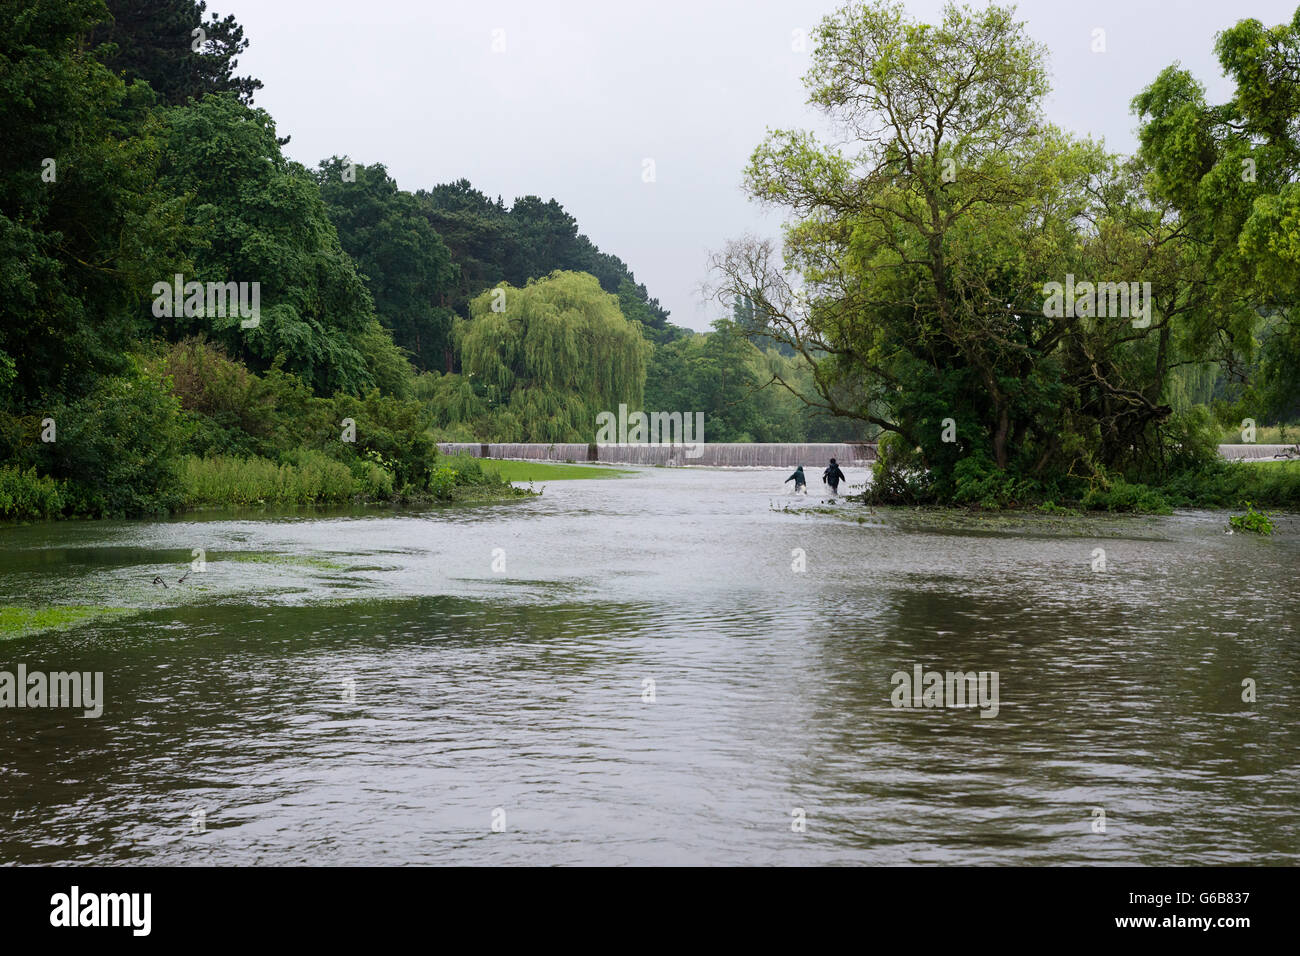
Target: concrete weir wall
(710, 454)
(1258, 452)
(535, 451)
(744, 454)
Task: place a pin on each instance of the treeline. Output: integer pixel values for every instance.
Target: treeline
(527, 364)
(181, 304)
(134, 164)
(425, 255)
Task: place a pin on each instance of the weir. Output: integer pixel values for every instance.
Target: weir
(1258, 452)
(744, 454)
(708, 454)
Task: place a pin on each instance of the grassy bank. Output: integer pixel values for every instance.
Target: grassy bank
(1265, 435)
(188, 427)
(317, 479)
(231, 480)
(1275, 484)
(305, 477)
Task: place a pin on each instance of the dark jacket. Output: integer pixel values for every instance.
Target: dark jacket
(832, 475)
(797, 477)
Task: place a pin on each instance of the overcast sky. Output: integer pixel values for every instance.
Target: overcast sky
(585, 92)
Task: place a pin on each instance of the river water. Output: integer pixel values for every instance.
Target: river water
(633, 671)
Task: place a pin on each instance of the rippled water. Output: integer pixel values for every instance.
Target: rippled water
(521, 691)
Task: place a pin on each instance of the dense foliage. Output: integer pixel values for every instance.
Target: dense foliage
(543, 361)
(189, 317)
(927, 263)
(169, 45)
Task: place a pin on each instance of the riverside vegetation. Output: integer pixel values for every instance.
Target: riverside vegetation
(907, 308)
(130, 158)
(919, 253)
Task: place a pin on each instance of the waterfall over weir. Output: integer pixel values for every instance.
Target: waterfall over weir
(709, 454)
(1258, 452)
(744, 454)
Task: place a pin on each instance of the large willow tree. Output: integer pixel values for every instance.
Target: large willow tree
(548, 357)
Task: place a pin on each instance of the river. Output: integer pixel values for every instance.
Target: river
(632, 671)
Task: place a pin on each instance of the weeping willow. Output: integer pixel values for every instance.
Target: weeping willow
(1191, 385)
(546, 358)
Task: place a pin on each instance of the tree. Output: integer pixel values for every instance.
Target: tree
(405, 264)
(915, 267)
(483, 240)
(491, 243)
(1230, 173)
(84, 226)
(550, 356)
(154, 41)
(722, 375)
(547, 235)
(263, 221)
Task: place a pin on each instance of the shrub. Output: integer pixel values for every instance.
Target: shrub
(397, 430)
(231, 414)
(1229, 484)
(238, 413)
(1253, 521)
(978, 481)
(25, 494)
(118, 447)
(373, 480)
(897, 476)
(468, 469)
(1116, 494)
(442, 483)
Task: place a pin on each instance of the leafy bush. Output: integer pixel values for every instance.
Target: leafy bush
(373, 480)
(897, 476)
(118, 446)
(1229, 484)
(1116, 494)
(442, 483)
(978, 481)
(397, 430)
(25, 494)
(463, 477)
(235, 412)
(1256, 522)
(469, 470)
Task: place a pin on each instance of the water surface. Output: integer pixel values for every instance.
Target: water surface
(364, 687)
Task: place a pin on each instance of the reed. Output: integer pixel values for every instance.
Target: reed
(232, 480)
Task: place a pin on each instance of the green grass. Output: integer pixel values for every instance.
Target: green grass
(549, 470)
(1265, 435)
(22, 621)
(224, 480)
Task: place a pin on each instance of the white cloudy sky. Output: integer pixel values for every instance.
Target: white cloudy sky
(587, 89)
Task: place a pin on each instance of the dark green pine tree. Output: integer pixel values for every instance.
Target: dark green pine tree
(153, 40)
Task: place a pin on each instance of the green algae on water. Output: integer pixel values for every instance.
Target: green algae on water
(24, 621)
(276, 557)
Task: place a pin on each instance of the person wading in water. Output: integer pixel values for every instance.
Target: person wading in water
(833, 476)
(799, 480)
